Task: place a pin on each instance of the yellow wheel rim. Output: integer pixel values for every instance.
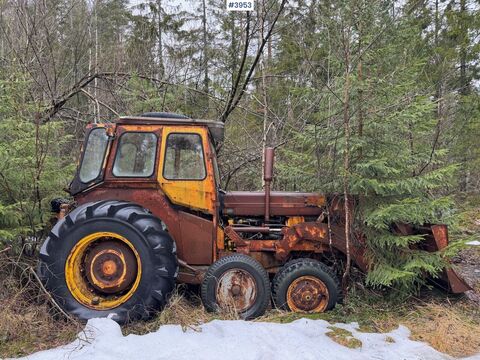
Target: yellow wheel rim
(103, 270)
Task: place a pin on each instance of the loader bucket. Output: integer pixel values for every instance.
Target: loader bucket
(436, 238)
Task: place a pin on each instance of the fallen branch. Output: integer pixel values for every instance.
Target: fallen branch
(6, 249)
(52, 300)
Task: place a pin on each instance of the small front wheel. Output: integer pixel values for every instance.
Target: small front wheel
(237, 283)
(306, 285)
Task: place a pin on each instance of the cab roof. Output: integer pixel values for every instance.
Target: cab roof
(216, 128)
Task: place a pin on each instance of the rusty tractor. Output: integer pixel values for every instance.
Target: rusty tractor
(148, 211)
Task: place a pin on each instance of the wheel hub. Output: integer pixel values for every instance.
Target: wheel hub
(103, 270)
(110, 267)
(236, 289)
(307, 294)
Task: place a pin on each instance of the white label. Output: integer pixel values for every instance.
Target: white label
(240, 5)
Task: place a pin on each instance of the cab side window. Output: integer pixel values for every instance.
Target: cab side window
(184, 159)
(135, 155)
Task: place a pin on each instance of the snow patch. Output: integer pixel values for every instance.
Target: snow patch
(102, 339)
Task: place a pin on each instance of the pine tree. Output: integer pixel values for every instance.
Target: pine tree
(34, 168)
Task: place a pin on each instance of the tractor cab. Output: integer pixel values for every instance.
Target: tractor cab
(173, 151)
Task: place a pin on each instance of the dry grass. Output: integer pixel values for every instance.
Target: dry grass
(183, 309)
(27, 322)
(451, 329)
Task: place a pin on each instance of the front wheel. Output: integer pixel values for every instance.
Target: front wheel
(236, 283)
(306, 285)
(109, 258)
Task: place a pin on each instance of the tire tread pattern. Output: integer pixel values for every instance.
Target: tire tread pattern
(161, 245)
(212, 272)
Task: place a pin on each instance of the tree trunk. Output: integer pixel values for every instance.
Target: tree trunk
(263, 87)
(464, 83)
(161, 66)
(346, 159)
(205, 48)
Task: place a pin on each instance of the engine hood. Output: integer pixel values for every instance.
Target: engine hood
(252, 203)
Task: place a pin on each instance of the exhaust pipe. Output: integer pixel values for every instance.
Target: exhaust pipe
(267, 177)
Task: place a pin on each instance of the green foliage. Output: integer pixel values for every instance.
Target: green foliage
(401, 173)
(33, 168)
(400, 170)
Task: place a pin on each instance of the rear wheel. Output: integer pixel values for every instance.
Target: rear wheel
(236, 283)
(306, 285)
(109, 257)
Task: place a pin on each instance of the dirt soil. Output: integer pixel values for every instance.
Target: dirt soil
(467, 264)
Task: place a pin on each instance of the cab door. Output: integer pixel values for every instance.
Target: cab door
(186, 176)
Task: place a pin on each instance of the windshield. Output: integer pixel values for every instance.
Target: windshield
(93, 155)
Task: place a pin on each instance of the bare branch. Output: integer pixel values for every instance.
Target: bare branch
(235, 96)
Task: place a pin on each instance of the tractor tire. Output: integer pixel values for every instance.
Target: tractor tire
(236, 283)
(109, 258)
(306, 285)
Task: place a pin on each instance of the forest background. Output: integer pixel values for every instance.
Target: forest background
(377, 100)
(374, 99)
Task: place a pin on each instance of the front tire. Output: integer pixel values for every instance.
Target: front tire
(109, 258)
(306, 285)
(236, 283)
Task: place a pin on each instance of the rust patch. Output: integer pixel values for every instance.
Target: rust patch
(189, 278)
(456, 283)
(235, 237)
(308, 234)
(251, 203)
(294, 220)
(236, 290)
(307, 294)
(315, 200)
(267, 259)
(110, 267)
(440, 234)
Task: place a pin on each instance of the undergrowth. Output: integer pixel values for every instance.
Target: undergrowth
(28, 323)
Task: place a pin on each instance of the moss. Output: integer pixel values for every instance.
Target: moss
(343, 337)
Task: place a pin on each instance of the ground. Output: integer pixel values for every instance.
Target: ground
(449, 325)
(371, 323)
(301, 339)
(467, 262)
